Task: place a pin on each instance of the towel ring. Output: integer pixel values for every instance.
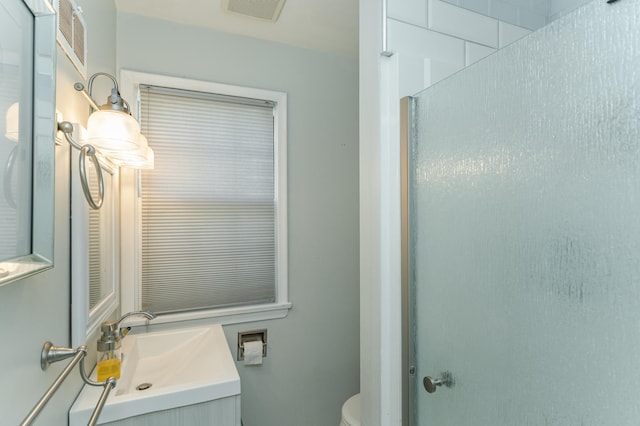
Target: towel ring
(67, 128)
(91, 152)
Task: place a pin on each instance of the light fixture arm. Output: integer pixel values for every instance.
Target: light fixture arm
(93, 77)
(80, 88)
(67, 129)
(114, 101)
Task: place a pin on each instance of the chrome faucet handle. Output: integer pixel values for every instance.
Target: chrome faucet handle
(111, 331)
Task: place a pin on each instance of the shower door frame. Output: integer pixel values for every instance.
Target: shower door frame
(408, 346)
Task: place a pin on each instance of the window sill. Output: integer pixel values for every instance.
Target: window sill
(224, 316)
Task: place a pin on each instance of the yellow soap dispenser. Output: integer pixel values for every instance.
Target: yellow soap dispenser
(109, 359)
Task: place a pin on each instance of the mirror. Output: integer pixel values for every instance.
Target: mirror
(27, 121)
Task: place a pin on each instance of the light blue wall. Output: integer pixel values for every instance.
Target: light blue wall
(36, 309)
(313, 362)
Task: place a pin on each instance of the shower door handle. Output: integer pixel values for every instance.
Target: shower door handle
(431, 384)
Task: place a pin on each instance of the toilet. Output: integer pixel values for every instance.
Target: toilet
(351, 411)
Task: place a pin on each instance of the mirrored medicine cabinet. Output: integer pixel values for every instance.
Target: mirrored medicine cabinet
(27, 133)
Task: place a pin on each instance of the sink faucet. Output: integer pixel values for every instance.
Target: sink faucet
(148, 315)
(112, 333)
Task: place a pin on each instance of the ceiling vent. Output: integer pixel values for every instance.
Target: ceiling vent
(267, 10)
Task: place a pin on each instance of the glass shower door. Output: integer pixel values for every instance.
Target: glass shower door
(524, 224)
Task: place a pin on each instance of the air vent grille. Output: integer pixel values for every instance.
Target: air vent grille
(72, 35)
(78, 41)
(268, 10)
(65, 20)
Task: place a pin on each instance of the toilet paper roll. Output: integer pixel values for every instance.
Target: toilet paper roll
(253, 353)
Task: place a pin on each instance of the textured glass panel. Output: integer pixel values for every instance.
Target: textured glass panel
(526, 230)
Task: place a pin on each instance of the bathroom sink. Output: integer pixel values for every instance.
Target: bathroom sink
(164, 370)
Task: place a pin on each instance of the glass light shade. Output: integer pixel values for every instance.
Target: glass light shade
(113, 131)
(141, 158)
(13, 122)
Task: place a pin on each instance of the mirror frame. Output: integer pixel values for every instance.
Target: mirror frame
(43, 164)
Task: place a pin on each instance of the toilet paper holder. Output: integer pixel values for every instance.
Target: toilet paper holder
(252, 336)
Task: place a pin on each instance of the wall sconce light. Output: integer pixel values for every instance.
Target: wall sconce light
(113, 131)
(13, 122)
(141, 158)
(111, 126)
(12, 133)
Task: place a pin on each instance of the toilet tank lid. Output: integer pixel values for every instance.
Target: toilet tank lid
(351, 410)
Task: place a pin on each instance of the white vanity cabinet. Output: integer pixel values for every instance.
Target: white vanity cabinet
(183, 376)
(221, 412)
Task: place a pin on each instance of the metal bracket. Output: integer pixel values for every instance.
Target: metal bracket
(51, 353)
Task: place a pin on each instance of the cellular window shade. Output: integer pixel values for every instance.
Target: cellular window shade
(95, 264)
(99, 284)
(208, 207)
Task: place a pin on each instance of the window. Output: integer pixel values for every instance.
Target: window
(209, 222)
(93, 249)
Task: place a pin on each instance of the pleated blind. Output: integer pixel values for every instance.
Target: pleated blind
(101, 239)
(95, 264)
(208, 207)
(96, 282)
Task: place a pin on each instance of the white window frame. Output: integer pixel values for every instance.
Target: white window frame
(131, 218)
(85, 320)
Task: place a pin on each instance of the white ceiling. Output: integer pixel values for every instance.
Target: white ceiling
(329, 25)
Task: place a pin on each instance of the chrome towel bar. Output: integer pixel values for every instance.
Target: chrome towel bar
(51, 354)
(109, 384)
